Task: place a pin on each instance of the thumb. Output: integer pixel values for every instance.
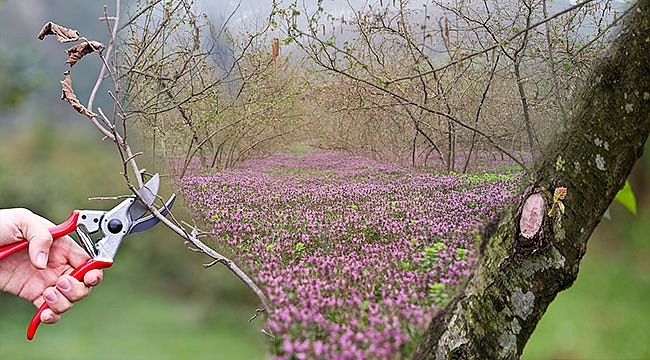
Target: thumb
(39, 249)
(35, 230)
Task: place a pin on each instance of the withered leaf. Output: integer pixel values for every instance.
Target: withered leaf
(78, 51)
(63, 34)
(68, 96)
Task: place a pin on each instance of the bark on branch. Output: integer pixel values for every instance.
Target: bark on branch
(525, 263)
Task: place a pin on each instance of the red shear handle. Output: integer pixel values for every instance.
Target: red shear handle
(12, 248)
(58, 231)
(78, 274)
(66, 227)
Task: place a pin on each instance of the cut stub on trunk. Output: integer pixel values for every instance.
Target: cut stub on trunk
(535, 227)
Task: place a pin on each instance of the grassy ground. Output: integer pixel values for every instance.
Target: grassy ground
(605, 315)
(119, 322)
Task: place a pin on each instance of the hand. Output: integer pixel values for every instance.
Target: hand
(40, 274)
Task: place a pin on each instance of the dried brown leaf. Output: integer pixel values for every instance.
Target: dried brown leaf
(68, 96)
(78, 51)
(63, 34)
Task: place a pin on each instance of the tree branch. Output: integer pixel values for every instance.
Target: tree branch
(520, 272)
(108, 127)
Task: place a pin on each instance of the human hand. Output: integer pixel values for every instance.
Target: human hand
(41, 273)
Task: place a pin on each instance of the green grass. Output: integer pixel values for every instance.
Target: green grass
(119, 322)
(606, 313)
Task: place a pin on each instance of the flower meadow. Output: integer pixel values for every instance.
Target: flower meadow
(356, 255)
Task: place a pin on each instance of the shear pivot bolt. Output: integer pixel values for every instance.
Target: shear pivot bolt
(115, 226)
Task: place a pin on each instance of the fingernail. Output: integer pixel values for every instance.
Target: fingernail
(94, 281)
(49, 295)
(41, 260)
(64, 284)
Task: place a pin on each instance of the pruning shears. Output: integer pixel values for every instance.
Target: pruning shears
(109, 227)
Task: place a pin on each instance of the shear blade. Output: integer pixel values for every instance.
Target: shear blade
(148, 193)
(149, 221)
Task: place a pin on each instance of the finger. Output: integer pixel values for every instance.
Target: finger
(71, 288)
(49, 317)
(56, 301)
(69, 252)
(35, 230)
(93, 277)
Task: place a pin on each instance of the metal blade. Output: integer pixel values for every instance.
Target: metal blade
(149, 221)
(148, 193)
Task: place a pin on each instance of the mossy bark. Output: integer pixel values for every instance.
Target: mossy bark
(516, 278)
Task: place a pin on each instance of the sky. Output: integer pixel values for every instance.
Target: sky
(252, 11)
(253, 8)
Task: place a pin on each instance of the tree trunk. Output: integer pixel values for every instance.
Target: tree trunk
(517, 59)
(527, 255)
(532, 144)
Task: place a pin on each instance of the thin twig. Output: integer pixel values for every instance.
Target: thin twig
(464, 59)
(194, 240)
(103, 198)
(257, 312)
(109, 49)
(125, 151)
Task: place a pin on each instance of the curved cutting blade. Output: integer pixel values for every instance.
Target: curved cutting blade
(148, 193)
(149, 221)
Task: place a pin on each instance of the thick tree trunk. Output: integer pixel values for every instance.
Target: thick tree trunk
(528, 256)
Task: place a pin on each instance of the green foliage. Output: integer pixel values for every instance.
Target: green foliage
(487, 176)
(430, 255)
(17, 78)
(626, 197)
(437, 292)
(461, 254)
(299, 249)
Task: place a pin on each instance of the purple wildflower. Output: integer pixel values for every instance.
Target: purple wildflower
(355, 254)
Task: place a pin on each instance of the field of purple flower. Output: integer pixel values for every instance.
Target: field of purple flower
(355, 255)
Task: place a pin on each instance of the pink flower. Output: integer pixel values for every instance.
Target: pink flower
(347, 248)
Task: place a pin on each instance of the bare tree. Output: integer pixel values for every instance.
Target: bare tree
(464, 79)
(200, 93)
